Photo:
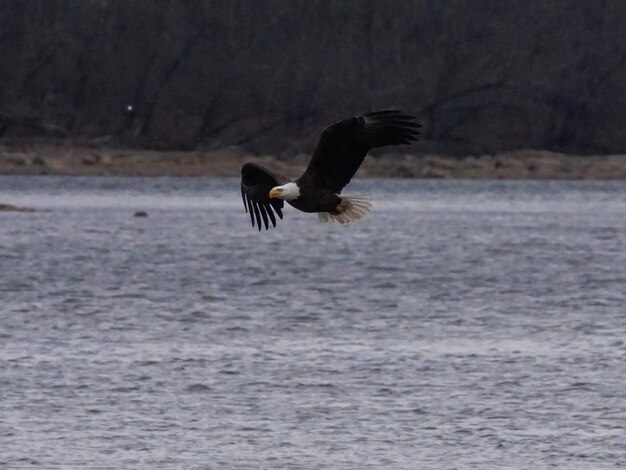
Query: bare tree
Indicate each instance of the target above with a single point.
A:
(485, 75)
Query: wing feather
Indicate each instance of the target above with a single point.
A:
(343, 146)
(256, 182)
(245, 202)
(270, 213)
(251, 212)
(255, 206)
(263, 216)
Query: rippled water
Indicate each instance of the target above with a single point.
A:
(476, 325)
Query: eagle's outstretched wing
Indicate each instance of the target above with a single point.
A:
(256, 182)
(343, 146)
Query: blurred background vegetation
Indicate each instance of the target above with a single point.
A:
(266, 75)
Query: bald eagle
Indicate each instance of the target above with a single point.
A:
(340, 151)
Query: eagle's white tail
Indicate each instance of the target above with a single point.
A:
(350, 208)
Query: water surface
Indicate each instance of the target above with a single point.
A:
(463, 324)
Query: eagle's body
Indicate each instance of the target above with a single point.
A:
(340, 151)
(316, 200)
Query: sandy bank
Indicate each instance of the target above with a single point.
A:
(84, 160)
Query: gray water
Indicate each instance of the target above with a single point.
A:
(469, 325)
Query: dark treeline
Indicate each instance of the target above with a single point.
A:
(483, 75)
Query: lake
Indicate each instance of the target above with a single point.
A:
(460, 325)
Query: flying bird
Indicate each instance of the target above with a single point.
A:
(339, 154)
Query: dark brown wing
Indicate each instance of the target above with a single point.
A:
(343, 146)
(256, 182)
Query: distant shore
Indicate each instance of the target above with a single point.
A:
(64, 159)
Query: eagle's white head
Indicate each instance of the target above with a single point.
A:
(287, 192)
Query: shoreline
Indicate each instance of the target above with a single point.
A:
(83, 160)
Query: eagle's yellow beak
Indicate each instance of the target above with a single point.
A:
(275, 192)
